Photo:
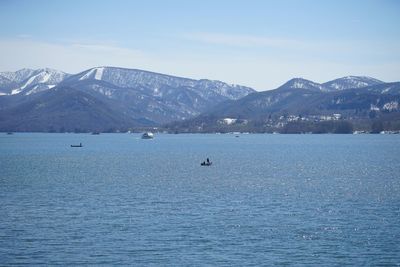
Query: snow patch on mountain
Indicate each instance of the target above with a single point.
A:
(19, 90)
(228, 121)
(374, 107)
(39, 88)
(99, 73)
(391, 106)
(87, 75)
(95, 73)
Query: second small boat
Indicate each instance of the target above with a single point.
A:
(80, 145)
(148, 135)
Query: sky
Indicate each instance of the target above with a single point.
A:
(260, 44)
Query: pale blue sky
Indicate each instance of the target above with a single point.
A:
(256, 43)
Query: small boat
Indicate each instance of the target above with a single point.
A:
(10, 133)
(148, 135)
(80, 145)
(206, 163)
(95, 133)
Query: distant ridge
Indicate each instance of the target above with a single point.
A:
(300, 105)
(344, 83)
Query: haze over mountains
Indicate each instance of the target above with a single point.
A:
(112, 99)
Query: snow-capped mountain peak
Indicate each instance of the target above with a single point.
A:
(18, 76)
(300, 83)
(31, 81)
(344, 83)
(350, 82)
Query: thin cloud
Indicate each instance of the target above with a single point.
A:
(70, 57)
(105, 48)
(24, 36)
(243, 40)
(332, 50)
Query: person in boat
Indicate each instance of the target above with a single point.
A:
(206, 163)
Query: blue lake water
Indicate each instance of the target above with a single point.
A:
(266, 200)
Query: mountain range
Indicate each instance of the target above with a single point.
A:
(117, 99)
(359, 100)
(139, 98)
